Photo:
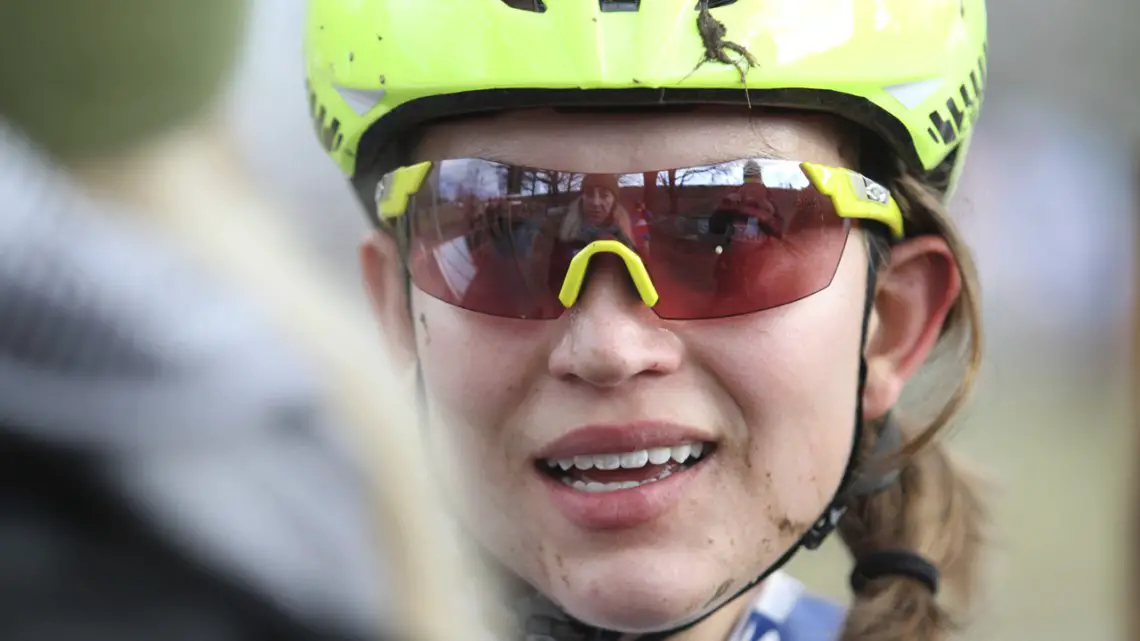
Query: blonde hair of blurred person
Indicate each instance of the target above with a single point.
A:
(122, 93)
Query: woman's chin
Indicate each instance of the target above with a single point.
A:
(632, 602)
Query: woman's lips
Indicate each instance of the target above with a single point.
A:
(616, 439)
(602, 506)
(607, 477)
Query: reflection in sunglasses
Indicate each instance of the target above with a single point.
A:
(715, 240)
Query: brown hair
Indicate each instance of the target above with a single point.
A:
(935, 508)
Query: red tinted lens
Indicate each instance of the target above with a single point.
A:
(728, 250)
(484, 237)
(498, 239)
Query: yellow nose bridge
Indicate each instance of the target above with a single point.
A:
(576, 274)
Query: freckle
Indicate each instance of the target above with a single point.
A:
(711, 541)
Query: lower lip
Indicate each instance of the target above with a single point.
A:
(620, 509)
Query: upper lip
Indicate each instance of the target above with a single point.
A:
(619, 438)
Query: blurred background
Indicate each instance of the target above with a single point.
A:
(1049, 201)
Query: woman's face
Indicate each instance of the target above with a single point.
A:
(598, 202)
(771, 395)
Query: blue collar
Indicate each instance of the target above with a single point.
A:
(785, 611)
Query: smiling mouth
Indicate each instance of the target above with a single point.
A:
(625, 470)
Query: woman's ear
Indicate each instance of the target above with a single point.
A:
(915, 291)
(383, 275)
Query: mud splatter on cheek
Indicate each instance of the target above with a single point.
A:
(562, 573)
(786, 527)
(746, 448)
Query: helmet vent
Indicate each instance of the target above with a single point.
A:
(619, 5)
(713, 4)
(537, 6)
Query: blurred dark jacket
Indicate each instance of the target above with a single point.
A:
(167, 470)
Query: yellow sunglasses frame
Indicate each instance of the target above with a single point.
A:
(854, 197)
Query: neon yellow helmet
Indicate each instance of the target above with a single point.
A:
(910, 71)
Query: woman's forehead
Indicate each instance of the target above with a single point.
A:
(623, 142)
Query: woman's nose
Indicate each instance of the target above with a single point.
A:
(612, 337)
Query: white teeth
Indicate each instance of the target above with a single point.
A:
(634, 460)
(681, 453)
(630, 460)
(607, 461)
(595, 487)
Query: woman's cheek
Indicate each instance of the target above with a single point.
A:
(472, 363)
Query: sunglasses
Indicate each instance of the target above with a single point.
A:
(698, 243)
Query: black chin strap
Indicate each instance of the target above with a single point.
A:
(546, 623)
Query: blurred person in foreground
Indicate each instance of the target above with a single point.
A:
(643, 455)
(176, 381)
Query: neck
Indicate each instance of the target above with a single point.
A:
(720, 624)
(716, 627)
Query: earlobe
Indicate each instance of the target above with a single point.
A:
(384, 278)
(915, 292)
